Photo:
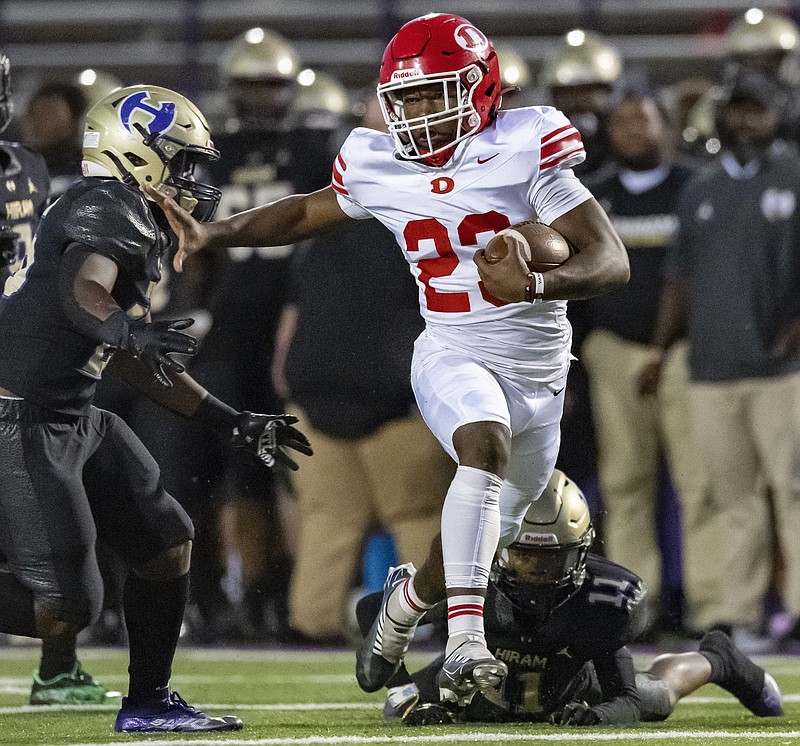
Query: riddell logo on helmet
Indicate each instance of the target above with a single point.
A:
(468, 37)
(402, 74)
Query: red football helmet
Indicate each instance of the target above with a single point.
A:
(444, 49)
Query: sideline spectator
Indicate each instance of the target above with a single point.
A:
(733, 275)
(634, 434)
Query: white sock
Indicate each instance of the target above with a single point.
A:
(404, 605)
(464, 620)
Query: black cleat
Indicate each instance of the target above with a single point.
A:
(749, 683)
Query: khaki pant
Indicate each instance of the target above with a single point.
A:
(633, 433)
(749, 434)
(396, 478)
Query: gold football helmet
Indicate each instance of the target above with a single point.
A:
(584, 59)
(321, 101)
(757, 32)
(514, 70)
(259, 71)
(546, 564)
(261, 54)
(96, 84)
(150, 135)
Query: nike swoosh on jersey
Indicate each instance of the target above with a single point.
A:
(486, 160)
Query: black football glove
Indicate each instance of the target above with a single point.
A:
(153, 342)
(8, 244)
(267, 436)
(576, 713)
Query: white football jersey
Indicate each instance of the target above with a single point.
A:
(516, 169)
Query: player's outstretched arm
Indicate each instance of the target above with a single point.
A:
(282, 222)
(265, 436)
(617, 680)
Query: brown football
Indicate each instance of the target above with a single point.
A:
(542, 247)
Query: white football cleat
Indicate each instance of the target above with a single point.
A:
(468, 669)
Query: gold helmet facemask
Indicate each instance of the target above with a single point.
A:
(151, 135)
(546, 564)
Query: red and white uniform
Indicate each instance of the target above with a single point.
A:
(516, 169)
(479, 358)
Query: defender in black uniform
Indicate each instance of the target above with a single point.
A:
(560, 619)
(24, 194)
(72, 473)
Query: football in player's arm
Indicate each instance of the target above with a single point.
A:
(454, 170)
(73, 473)
(560, 618)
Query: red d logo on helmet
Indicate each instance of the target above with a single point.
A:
(442, 185)
(468, 37)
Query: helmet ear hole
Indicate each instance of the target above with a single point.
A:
(136, 161)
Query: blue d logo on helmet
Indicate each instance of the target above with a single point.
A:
(161, 119)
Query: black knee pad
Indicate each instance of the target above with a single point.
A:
(62, 617)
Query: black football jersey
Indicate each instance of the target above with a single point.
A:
(545, 661)
(43, 357)
(24, 189)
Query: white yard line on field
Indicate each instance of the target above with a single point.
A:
(475, 738)
(300, 706)
(180, 679)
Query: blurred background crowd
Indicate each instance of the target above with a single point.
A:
(698, 495)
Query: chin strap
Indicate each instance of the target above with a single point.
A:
(127, 176)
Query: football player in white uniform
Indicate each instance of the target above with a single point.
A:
(490, 369)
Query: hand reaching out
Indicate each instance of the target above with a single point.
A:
(267, 437)
(192, 234)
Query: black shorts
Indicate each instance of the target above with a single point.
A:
(68, 481)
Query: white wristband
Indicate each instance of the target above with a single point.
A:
(534, 292)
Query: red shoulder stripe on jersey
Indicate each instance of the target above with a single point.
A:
(339, 190)
(341, 162)
(338, 181)
(561, 158)
(569, 141)
(550, 135)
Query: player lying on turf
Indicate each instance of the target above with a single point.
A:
(560, 618)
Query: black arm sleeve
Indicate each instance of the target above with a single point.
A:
(617, 679)
(112, 331)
